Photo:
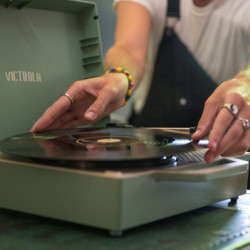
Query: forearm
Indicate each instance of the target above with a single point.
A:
(131, 40)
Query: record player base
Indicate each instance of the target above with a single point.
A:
(109, 200)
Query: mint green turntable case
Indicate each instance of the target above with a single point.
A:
(45, 45)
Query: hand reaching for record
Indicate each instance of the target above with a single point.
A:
(85, 102)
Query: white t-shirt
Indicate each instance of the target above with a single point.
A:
(217, 35)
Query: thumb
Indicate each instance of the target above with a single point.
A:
(100, 107)
(205, 124)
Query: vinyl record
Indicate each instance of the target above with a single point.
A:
(113, 147)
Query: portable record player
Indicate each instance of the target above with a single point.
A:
(110, 178)
(113, 178)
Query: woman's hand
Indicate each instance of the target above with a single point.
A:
(93, 99)
(229, 135)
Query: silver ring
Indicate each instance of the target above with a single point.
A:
(232, 108)
(70, 98)
(245, 123)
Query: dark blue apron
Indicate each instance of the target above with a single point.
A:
(179, 86)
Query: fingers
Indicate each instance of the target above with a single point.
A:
(207, 119)
(108, 100)
(222, 124)
(51, 114)
(99, 96)
(231, 142)
(68, 120)
(75, 100)
(227, 131)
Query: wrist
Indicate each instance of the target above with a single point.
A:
(129, 78)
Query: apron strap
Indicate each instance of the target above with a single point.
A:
(179, 86)
(173, 9)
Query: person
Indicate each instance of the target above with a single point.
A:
(215, 32)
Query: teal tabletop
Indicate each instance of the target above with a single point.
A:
(224, 225)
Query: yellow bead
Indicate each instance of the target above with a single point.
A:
(129, 92)
(119, 70)
(130, 78)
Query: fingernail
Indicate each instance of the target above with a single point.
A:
(90, 115)
(208, 158)
(196, 133)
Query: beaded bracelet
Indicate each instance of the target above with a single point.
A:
(130, 84)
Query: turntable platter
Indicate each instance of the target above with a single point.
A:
(99, 146)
